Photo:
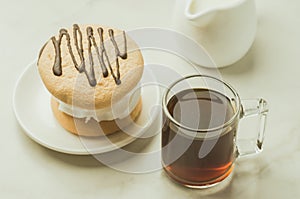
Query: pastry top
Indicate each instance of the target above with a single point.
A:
(90, 66)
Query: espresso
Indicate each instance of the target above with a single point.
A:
(198, 157)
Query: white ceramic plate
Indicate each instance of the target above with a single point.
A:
(33, 112)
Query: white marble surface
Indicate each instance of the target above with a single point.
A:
(270, 70)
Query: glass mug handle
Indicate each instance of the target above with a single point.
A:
(253, 107)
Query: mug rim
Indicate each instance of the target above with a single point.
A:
(226, 124)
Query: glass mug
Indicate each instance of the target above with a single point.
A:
(199, 131)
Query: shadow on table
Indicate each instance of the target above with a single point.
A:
(244, 65)
(94, 160)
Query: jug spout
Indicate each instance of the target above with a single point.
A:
(199, 15)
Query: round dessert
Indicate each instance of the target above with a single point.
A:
(93, 74)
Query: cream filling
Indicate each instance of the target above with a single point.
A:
(118, 110)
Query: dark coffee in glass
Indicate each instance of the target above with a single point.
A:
(200, 119)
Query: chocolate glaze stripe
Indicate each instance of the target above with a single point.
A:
(103, 51)
(91, 74)
(57, 68)
(76, 30)
(103, 67)
(118, 54)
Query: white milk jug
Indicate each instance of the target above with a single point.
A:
(225, 28)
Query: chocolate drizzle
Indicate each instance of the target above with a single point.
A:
(101, 53)
(79, 47)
